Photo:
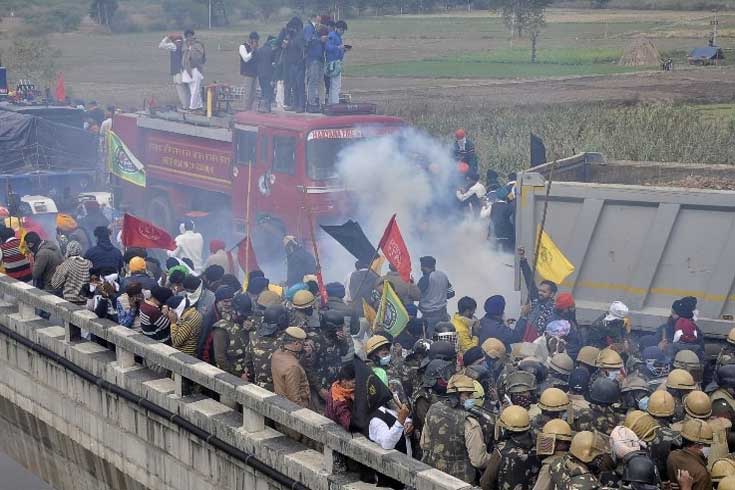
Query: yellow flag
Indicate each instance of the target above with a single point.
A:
(377, 265)
(552, 265)
(369, 312)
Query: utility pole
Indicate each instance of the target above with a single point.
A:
(210, 15)
(714, 24)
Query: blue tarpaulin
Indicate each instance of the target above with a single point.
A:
(706, 53)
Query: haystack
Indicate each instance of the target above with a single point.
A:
(640, 52)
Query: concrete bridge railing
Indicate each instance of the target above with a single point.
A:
(240, 416)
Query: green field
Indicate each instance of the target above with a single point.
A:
(506, 63)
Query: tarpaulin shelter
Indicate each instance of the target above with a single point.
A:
(29, 143)
(707, 55)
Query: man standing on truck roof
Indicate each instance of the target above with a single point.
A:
(314, 62)
(291, 41)
(249, 68)
(174, 43)
(193, 62)
(335, 55)
(264, 62)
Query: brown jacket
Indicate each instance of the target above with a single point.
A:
(407, 291)
(682, 459)
(289, 378)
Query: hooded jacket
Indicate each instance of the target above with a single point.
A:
(105, 256)
(46, 259)
(72, 274)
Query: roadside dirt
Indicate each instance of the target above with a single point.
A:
(703, 85)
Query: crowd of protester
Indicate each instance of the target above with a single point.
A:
(538, 402)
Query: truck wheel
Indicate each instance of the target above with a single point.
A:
(159, 212)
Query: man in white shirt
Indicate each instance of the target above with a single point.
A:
(192, 62)
(248, 68)
(472, 197)
(390, 428)
(189, 244)
(173, 43)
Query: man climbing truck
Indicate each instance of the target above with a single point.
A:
(273, 167)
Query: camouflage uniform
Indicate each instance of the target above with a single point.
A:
(239, 340)
(323, 365)
(513, 465)
(569, 474)
(260, 350)
(298, 318)
(597, 417)
(543, 482)
(443, 442)
(664, 441)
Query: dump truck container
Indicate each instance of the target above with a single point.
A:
(645, 233)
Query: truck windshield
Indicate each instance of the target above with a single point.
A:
(321, 157)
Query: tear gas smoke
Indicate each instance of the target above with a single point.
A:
(414, 175)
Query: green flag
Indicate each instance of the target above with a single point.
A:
(121, 161)
(392, 315)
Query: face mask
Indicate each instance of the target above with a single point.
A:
(523, 400)
(705, 452)
(612, 375)
(470, 404)
(643, 404)
(385, 360)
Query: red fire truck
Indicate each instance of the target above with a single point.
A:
(197, 166)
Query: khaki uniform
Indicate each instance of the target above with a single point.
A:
(682, 459)
(568, 473)
(452, 442)
(719, 448)
(289, 378)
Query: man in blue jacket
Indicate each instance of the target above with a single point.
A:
(314, 62)
(335, 55)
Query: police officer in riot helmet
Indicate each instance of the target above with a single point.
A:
(452, 440)
(513, 464)
(639, 472)
(601, 415)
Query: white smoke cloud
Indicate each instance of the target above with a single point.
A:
(390, 175)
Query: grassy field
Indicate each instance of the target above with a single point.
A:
(506, 63)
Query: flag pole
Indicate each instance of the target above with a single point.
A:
(247, 219)
(543, 218)
(375, 257)
(310, 217)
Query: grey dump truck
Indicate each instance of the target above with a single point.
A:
(645, 233)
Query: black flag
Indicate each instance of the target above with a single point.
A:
(351, 237)
(370, 394)
(538, 151)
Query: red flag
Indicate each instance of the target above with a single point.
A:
(246, 246)
(60, 88)
(139, 233)
(395, 249)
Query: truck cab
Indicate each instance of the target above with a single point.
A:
(274, 170)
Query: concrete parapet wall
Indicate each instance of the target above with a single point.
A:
(78, 435)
